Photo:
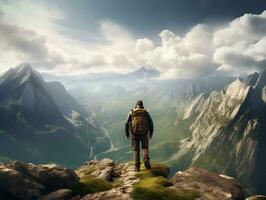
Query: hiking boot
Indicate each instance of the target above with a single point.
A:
(137, 166)
(147, 163)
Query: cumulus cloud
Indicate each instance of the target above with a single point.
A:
(29, 33)
(180, 57)
(241, 45)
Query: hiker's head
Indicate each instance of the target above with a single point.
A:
(139, 104)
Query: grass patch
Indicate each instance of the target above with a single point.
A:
(89, 184)
(154, 185)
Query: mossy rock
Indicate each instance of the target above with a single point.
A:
(89, 184)
(154, 185)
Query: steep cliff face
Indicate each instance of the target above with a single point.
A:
(228, 132)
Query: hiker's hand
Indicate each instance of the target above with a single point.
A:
(128, 136)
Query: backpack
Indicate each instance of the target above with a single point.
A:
(139, 122)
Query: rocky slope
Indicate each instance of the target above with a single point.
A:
(227, 132)
(35, 115)
(105, 179)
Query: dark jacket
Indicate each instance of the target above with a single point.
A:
(150, 124)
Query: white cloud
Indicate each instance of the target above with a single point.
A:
(242, 31)
(180, 57)
(144, 45)
(242, 45)
(29, 32)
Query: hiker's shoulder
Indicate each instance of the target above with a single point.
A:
(131, 112)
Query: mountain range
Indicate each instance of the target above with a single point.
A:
(42, 122)
(228, 132)
(216, 123)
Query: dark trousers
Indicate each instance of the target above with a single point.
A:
(138, 140)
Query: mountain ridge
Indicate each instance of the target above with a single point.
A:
(227, 132)
(36, 114)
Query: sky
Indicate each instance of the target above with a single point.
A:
(179, 38)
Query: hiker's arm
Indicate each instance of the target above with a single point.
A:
(151, 128)
(127, 125)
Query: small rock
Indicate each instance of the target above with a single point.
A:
(107, 173)
(107, 162)
(96, 172)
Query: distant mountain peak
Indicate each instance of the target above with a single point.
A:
(24, 68)
(23, 72)
(144, 73)
(143, 68)
(24, 65)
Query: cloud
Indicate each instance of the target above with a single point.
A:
(241, 45)
(144, 45)
(180, 57)
(242, 31)
(30, 32)
(26, 42)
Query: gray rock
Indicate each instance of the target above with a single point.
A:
(107, 173)
(29, 181)
(209, 185)
(61, 194)
(51, 175)
(257, 197)
(107, 162)
(16, 185)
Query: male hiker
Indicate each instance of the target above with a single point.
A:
(140, 124)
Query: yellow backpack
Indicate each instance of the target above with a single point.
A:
(139, 122)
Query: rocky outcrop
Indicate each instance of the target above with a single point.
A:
(29, 181)
(123, 174)
(206, 185)
(105, 179)
(209, 185)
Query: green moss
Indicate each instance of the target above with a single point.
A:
(156, 170)
(157, 192)
(90, 184)
(154, 185)
(154, 181)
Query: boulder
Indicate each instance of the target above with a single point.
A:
(105, 168)
(15, 185)
(107, 173)
(29, 181)
(50, 175)
(209, 185)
